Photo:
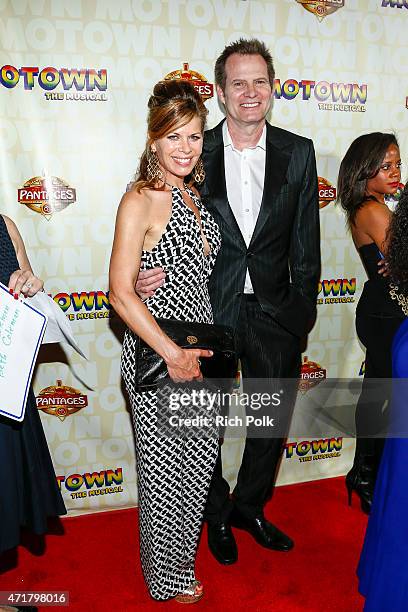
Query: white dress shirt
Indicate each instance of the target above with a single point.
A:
(244, 177)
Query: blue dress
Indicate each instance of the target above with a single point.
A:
(383, 566)
(28, 492)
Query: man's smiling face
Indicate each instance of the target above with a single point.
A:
(248, 93)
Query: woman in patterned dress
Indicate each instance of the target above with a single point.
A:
(162, 223)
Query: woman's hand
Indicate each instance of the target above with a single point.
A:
(24, 282)
(185, 365)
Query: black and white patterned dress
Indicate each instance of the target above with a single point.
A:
(174, 472)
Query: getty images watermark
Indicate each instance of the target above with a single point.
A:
(203, 411)
(267, 407)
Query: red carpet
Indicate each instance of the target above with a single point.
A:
(97, 560)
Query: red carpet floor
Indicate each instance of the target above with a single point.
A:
(97, 560)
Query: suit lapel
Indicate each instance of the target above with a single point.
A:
(216, 185)
(276, 165)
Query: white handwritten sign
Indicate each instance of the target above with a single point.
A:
(21, 330)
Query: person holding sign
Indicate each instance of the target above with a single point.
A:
(29, 492)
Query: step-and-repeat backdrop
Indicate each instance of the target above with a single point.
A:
(75, 77)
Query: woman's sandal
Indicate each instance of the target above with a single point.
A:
(191, 594)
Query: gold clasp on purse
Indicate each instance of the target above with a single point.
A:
(192, 339)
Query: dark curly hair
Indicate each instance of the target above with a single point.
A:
(397, 238)
(173, 104)
(361, 162)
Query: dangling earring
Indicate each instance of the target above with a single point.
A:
(153, 171)
(198, 172)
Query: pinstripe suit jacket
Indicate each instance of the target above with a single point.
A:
(283, 256)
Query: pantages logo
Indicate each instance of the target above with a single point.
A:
(311, 374)
(201, 84)
(321, 8)
(46, 194)
(86, 84)
(61, 401)
(395, 3)
(327, 193)
(349, 97)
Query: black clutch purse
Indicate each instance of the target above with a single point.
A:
(220, 369)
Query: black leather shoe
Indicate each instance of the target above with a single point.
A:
(263, 532)
(221, 543)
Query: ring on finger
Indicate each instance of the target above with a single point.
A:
(199, 362)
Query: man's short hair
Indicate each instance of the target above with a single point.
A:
(243, 46)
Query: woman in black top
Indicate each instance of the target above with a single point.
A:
(370, 170)
(29, 492)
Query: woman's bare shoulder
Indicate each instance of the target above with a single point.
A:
(11, 226)
(143, 199)
(133, 199)
(372, 211)
(12, 229)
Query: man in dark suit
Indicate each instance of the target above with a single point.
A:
(261, 188)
